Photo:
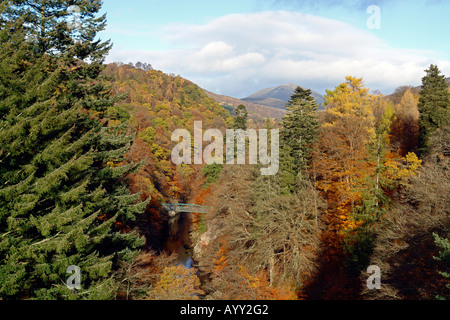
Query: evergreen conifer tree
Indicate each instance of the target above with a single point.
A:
(300, 127)
(62, 187)
(240, 121)
(287, 176)
(444, 257)
(434, 106)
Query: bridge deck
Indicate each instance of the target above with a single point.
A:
(181, 207)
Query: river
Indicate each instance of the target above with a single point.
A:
(179, 239)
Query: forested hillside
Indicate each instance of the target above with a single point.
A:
(156, 104)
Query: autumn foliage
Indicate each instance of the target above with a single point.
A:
(261, 241)
(356, 168)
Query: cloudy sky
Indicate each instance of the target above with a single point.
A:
(237, 47)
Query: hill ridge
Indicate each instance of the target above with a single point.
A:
(278, 97)
(256, 111)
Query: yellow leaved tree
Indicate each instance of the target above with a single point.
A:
(176, 283)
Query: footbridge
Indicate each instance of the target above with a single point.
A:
(183, 207)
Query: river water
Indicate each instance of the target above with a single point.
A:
(179, 240)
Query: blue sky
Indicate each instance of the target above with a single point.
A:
(236, 47)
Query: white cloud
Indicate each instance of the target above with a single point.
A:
(219, 57)
(238, 54)
(215, 49)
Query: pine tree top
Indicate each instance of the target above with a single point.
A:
(300, 96)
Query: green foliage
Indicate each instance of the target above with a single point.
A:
(148, 135)
(59, 201)
(202, 225)
(300, 127)
(228, 107)
(284, 223)
(193, 92)
(240, 121)
(160, 153)
(187, 115)
(212, 173)
(434, 106)
(444, 258)
(359, 243)
(117, 112)
(288, 172)
(158, 122)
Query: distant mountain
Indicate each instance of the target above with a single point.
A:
(256, 111)
(277, 97)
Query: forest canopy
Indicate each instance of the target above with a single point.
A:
(86, 177)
